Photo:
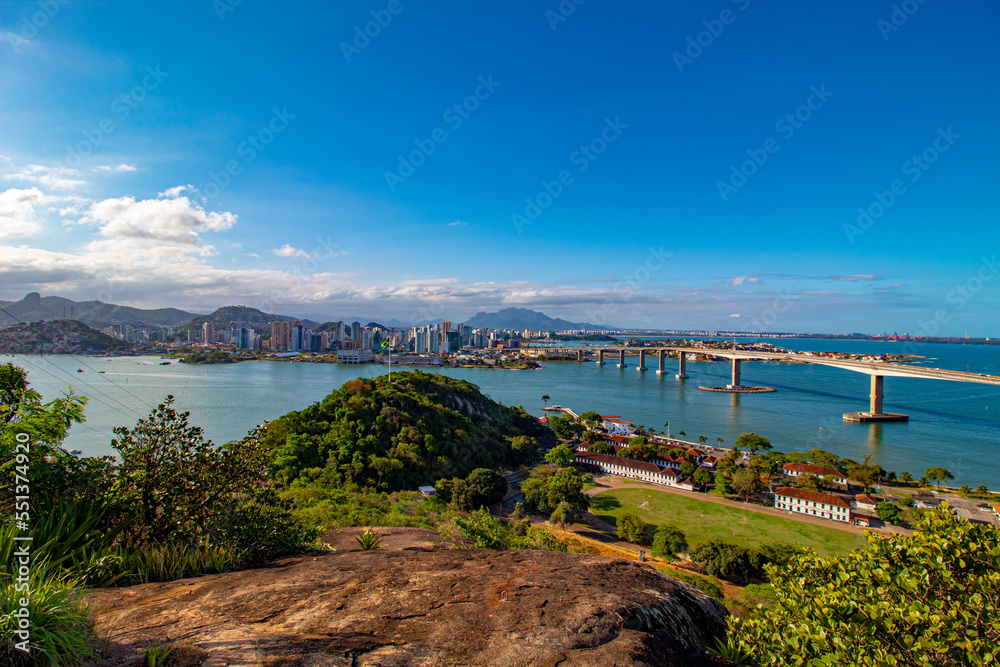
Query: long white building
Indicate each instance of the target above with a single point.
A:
(813, 503)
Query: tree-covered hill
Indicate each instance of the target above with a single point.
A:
(241, 315)
(56, 337)
(418, 429)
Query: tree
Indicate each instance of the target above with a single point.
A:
(939, 474)
(565, 513)
(565, 427)
(669, 541)
(545, 399)
(638, 449)
(180, 489)
(887, 512)
(755, 443)
(548, 486)
(811, 482)
(601, 447)
(703, 477)
(633, 529)
(821, 457)
(45, 426)
(681, 433)
(483, 487)
(561, 455)
(687, 468)
(729, 561)
(982, 491)
(723, 487)
(702, 439)
(591, 419)
(965, 490)
(906, 478)
(929, 599)
(720, 441)
(746, 484)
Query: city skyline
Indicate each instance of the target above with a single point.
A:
(727, 167)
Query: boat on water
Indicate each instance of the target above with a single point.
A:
(79, 370)
(102, 371)
(75, 451)
(164, 363)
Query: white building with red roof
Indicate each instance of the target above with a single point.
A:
(812, 503)
(802, 469)
(640, 470)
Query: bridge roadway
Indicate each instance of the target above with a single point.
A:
(876, 369)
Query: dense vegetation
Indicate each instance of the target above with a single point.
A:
(419, 428)
(929, 599)
(171, 504)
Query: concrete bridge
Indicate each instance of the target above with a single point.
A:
(876, 369)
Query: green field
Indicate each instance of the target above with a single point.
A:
(702, 520)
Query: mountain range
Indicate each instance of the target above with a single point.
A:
(97, 314)
(522, 318)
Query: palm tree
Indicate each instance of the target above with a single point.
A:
(702, 439)
(545, 400)
(719, 440)
(666, 425)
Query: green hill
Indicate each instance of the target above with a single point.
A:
(414, 431)
(34, 307)
(241, 315)
(56, 337)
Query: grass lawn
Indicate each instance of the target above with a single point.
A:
(702, 521)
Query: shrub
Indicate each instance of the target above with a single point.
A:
(669, 541)
(929, 599)
(60, 631)
(633, 529)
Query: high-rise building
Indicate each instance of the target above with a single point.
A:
(208, 333)
(356, 332)
(244, 338)
(296, 337)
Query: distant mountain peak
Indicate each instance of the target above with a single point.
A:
(523, 318)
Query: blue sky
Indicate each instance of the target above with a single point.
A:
(118, 122)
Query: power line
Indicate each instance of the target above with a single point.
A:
(82, 363)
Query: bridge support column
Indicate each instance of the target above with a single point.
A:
(579, 355)
(642, 361)
(875, 413)
(600, 357)
(663, 363)
(621, 359)
(682, 367)
(736, 373)
(875, 406)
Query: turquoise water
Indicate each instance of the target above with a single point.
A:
(952, 424)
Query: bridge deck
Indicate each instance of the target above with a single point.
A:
(868, 367)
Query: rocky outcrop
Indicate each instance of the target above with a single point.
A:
(418, 605)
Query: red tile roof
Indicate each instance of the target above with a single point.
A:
(814, 496)
(811, 469)
(865, 498)
(628, 463)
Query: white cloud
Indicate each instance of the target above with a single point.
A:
(57, 178)
(855, 278)
(734, 315)
(457, 223)
(18, 218)
(173, 193)
(117, 168)
(737, 281)
(176, 220)
(251, 254)
(288, 251)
